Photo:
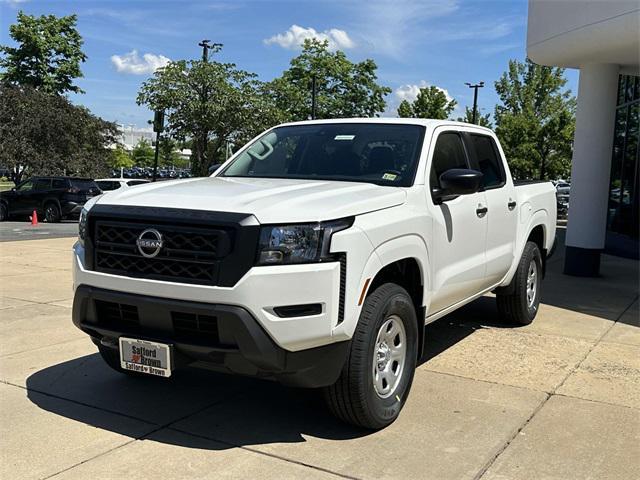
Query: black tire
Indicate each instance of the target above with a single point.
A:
(4, 213)
(112, 358)
(52, 213)
(517, 307)
(353, 398)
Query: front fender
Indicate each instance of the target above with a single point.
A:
(400, 248)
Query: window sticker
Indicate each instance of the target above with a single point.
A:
(344, 137)
(389, 176)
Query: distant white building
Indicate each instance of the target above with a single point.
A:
(131, 135)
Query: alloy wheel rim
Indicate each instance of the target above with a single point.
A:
(532, 283)
(50, 214)
(389, 356)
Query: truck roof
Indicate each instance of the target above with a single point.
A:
(427, 122)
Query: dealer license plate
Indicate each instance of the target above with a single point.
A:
(145, 357)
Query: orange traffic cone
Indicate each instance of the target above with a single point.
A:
(34, 219)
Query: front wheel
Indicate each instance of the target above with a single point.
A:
(521, 306)
(377, 375)
(4, 213)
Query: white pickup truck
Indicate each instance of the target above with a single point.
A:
(314, 256)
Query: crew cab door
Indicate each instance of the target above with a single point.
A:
(41, 189)
(22, 198)
(459, 228)
(501, 204)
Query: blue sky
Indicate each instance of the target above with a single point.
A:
(414, 42)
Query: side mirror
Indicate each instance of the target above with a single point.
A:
(457, 181)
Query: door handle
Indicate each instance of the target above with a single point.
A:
(511, 204)
(481, 211)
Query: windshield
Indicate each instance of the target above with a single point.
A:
(384, 154)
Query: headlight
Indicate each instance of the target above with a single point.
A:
(302, 243)
(82, 226)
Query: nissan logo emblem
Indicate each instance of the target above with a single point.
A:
(149, 243)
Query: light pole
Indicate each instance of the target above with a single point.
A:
(475, 99)
(206, 46)
(201, 143)
(313, 97)
(158, 126)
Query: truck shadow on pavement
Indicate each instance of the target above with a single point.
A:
(231, 411)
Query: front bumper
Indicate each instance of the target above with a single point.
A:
(219, 337)
(259, 292)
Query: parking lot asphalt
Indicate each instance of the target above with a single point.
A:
(12, 231)
(557, 399)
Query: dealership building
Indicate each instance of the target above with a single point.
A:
(602, 40)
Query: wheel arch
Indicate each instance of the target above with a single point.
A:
(536, 232)
(48, 200)
(407, 273)
(405, 262)
(390, 261)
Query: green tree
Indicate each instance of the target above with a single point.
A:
(47, 56)
(535, 120)
(120, 158)
(482, 120)
(343, 88)
(143, 154)
(168, 155)
(48, 135)
(431, 102)
(210, 102)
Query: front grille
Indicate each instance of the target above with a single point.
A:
(188, 254)
(195, 328)
(117, 315)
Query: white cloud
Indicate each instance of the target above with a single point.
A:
(132, 62)
(13, 3)
(294, 37)
(410, 92)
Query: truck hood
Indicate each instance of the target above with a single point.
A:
(269, 200)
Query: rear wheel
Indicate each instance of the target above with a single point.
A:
(3, 212)
(521, 306)
(52, 213)
(377, 376)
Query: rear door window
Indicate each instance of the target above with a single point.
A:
(60, 183)
(42, 184)
(487, 159)
(448, 154)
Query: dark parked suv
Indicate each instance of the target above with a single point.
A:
(54, 198)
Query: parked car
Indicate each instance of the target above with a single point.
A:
(108, 184)
(563, 187)
(53, 198)
(315, 257)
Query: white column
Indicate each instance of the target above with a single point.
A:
(591, 168)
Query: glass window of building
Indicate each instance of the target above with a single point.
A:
(624, 214)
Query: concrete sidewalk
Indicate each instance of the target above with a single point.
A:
(557, 399)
